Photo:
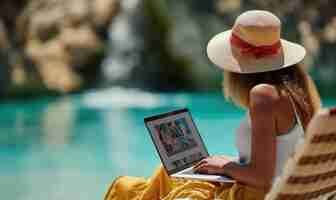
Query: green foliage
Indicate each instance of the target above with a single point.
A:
(174, 69)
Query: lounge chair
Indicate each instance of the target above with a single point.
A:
(311, 172)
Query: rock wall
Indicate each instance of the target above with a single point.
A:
(4, 60)
(57, 45)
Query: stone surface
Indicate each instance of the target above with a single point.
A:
(4, 60)
(81, 44)
(58, 44)
(104, 11)
(4, 42)
(55, 40)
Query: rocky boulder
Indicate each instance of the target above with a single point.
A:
(59, 41)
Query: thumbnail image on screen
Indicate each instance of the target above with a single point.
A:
(175, 136)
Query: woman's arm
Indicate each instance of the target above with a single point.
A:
(261, 169)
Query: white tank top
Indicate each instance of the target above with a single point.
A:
(285, 143)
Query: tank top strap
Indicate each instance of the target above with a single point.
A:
(297, 117)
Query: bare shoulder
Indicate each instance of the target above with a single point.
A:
(263, 95)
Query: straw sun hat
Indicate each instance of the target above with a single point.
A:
(254, 45)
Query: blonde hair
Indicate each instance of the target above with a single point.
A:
(292, 81)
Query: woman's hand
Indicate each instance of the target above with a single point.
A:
(212, 165)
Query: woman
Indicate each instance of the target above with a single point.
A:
(262, 75)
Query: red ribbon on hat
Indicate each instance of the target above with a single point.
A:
(332, 111)
(257, 51)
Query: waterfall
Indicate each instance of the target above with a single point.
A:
(160, 45)
(124, 45)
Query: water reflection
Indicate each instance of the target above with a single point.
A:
(72, 147)
(48, 149)
(124, 44)
(57, 123)
(118, 152)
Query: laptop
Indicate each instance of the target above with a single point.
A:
(179, 145)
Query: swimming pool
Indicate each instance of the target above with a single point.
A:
(72, 147)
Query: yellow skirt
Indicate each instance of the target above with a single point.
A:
(161, 186)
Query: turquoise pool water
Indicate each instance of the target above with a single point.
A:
(73, 147)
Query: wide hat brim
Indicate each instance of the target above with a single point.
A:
(219, 51)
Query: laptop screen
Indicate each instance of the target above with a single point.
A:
(176, 139)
